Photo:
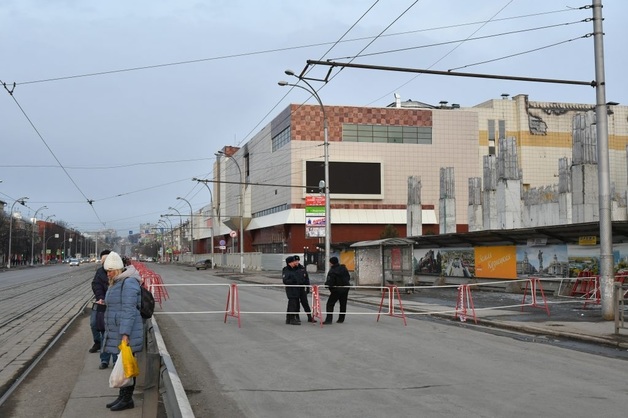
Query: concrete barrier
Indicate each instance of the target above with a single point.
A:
(161, 376)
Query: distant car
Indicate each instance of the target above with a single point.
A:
(203, 264)
(74, 262)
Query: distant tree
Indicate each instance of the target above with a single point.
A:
(389, 232)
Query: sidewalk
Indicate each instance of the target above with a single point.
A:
(91, 391)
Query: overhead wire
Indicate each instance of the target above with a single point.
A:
(89, 201)
(391, 51)
(493, 18)
(519, 53)
(380, 35)
(333, 45)
(274, 50)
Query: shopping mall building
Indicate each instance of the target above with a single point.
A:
(373, 154)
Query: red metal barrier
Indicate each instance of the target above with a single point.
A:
(151, 281)
(233, 304)
(535, 284)
(465, 301)
(392, 291)
(316, 305)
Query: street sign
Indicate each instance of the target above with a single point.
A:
(222, 242)
(233, 234)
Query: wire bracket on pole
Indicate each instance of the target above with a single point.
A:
(534, 283)
(465, 301)
(233, 303)
(316, 305)
(391, 291)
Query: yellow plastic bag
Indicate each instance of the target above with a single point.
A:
(129, 362)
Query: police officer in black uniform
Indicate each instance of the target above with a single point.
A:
(304, 279)
(290, 277)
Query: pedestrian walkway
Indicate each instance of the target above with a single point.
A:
(92, 392)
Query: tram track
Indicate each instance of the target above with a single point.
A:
(33, 316)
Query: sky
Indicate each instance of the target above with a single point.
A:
(121, 103)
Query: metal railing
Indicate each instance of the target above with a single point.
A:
(619, 298)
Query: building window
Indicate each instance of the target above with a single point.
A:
(281, 139)
(491, 137)
(247, 166)
(270, 211)
(387, 134)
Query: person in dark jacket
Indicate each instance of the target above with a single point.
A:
(290, 277)
(100, 283)
(123, 322)
(304, 279)
(338, 282)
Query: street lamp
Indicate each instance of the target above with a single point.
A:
(34, 223)
(211, 203)
(171, 234)
(163, 225)
(191, 226)
(180, 224)
(65, 254)
(313, 92)
(46, 246)
(241, 209)
(22, 201)
(45, 255)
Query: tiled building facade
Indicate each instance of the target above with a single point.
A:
(395, 142)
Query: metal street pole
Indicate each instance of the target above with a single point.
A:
(45, 255)
(46, 244)
(601, 117)
(241, 210)
(33, 224)
(180, 224)
(171, 234)
(314, 93)
(211, 203)
(163, 239)
(22, 201)
(191, 226)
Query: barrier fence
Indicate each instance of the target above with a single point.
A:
(390, 301)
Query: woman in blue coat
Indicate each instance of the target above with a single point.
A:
(123, 321)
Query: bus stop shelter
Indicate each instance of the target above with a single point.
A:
(384, 262)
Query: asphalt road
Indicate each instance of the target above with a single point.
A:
(364, 368)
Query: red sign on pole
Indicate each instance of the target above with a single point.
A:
(314, 200)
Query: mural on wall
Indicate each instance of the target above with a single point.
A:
(542, 261)
(498, 262)
(451, 262)
(459, 262)
(427, 261)
(511, 262)
(584, 260)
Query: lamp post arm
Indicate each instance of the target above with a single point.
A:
(314, 93)
(22, 201)
(191, 226)
(34, 223)
(211, 204)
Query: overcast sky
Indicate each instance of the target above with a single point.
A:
(124, 102)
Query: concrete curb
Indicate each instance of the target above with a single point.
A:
(174, 396)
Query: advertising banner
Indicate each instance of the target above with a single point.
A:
(496, 262)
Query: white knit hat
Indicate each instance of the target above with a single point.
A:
(113, 262)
